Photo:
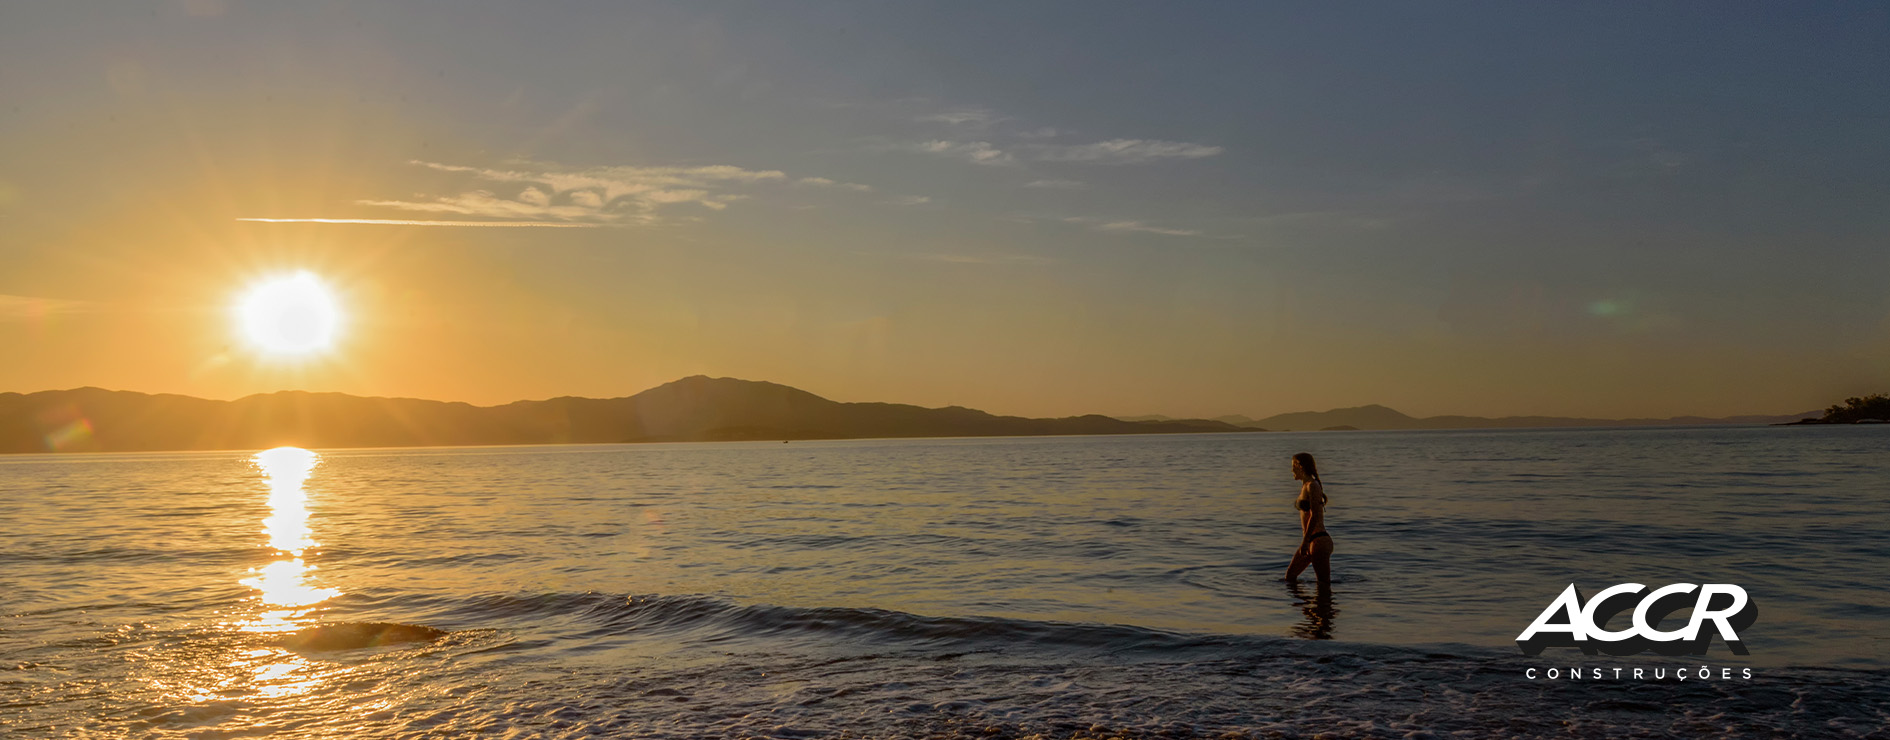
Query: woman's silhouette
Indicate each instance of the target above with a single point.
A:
(1315, 546)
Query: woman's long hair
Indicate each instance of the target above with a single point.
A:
(1312, 468)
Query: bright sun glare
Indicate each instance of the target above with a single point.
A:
(290, 315)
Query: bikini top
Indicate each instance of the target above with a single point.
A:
(1304, 504)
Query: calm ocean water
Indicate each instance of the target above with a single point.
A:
(959, 587)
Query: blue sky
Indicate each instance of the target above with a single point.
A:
(1045, 208)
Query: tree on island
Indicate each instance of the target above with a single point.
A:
(1875, 406)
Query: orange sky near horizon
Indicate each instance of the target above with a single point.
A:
(422, 323)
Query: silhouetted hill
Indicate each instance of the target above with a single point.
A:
(697, 408)
(1359, 417)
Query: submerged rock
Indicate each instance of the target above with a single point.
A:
(354, 635)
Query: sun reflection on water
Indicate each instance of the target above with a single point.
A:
(273, 672)
(284, 583)
(252, 662)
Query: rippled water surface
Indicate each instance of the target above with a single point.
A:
(912, 588)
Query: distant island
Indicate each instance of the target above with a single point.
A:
(692, 409)
(1871, 409)
(1375, 417)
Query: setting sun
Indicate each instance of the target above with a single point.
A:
(292, 315)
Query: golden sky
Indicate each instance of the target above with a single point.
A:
(513, 205)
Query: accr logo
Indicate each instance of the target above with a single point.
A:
(1583, 622)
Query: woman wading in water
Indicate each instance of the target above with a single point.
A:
(1315, 546)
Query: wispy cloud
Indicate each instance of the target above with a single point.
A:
(1145, 228)
(910, 200)
(1003, 139)
(823, 182)
(411, 222)
(1125, 226)
(979, 152)
(982, 259)
(974, 116)
(551, 195)
(1113, 151)
(555, 193)
(966, 259)
(1289, 216)
(1056, 184)
(1126, 151)
(26, 308)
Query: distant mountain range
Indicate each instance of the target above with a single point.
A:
(691, 409)
(697, 408)
(1380, 417)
